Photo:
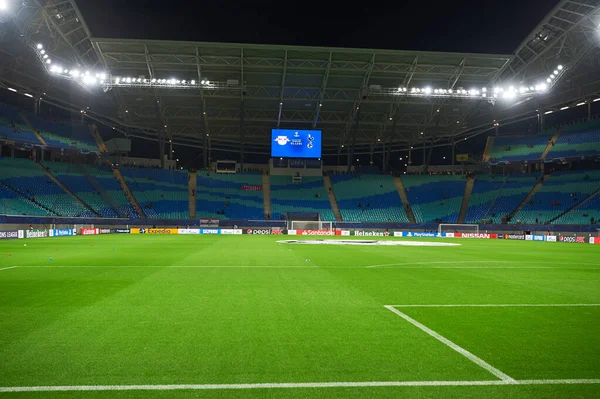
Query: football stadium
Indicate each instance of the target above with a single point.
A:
(224, 220)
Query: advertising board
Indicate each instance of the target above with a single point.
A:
(8, 234)
(231, 231)
(160, 231)
(188, 231)
(36, 233)
(122, 231)
(89, 232)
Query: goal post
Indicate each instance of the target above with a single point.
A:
(310, 225)
(458, 228)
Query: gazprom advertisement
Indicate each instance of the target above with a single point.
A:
(296, 143)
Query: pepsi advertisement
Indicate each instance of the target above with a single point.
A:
(288, 143)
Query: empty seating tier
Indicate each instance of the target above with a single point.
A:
(229, 196)
(368, 198)
(435, 198)
(30, 181)
(308, 196)
(162, 194)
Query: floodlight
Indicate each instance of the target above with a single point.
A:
(496, 90)
(45, 56)
(484, 95)
(523, 90)
(207, 82)
(153, 80)
(43, 52)
(48, 61)
(117, 80)
(193, 82)
(427, 90)
(75, 73)
(40, 46)
(103, 76)
(183, 81)
(543, 87)
(560, 67)
(66, 71)
(552, 76)
(87, 73)
(202, 82)
(555, 72)
(548, 80)
(484, 89)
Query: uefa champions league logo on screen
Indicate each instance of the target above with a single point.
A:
(310, 141)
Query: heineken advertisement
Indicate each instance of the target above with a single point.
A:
(36, 233)
(367, 233)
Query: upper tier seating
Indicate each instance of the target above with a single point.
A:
(72, 178)
(162, 194)
(216, 192)
(559, 193)
(14, 204)
(377, 195)
(577, 140)
(437, 197)
(520, 148)
(63, 135)
(13, 128)
(308, 196)
(583, 214)
(105, 177)
(26, 177)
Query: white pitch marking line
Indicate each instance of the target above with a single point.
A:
(480, 362)
(172, 267)
(11, 267)
(493, 262)
(292, 385)
(498, 305)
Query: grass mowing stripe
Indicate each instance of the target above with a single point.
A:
(498, 305)
(480, 362)
(292, 385)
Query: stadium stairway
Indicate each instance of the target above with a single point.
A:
(37, 134)
(65, 189)
(528, 197)
(332, 200)
(266, 189)
(103, 193)
(192, 186)
(404, 198)
(98, 138)
(466, 199)
(550, 144)
(488, 148)
(576, 206)
(129, 193)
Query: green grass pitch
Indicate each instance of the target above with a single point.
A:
(165, 310)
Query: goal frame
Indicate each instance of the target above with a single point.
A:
(321, 224)
(473, 228)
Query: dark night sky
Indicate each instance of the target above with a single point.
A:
(484, 26)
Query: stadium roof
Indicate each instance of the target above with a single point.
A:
(353, 95)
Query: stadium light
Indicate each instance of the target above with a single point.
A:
(580, 104)
(48, 61)
(193, 82)
(40, 46)
(560, 67)
(28, 95)
(563, 108)
(11, 89)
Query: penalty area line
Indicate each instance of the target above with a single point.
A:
(478, 361)
(292, 385)
(11, 267)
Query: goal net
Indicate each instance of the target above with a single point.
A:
(309, 225)
(458, 228)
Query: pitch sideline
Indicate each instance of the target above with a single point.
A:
(291, 385)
